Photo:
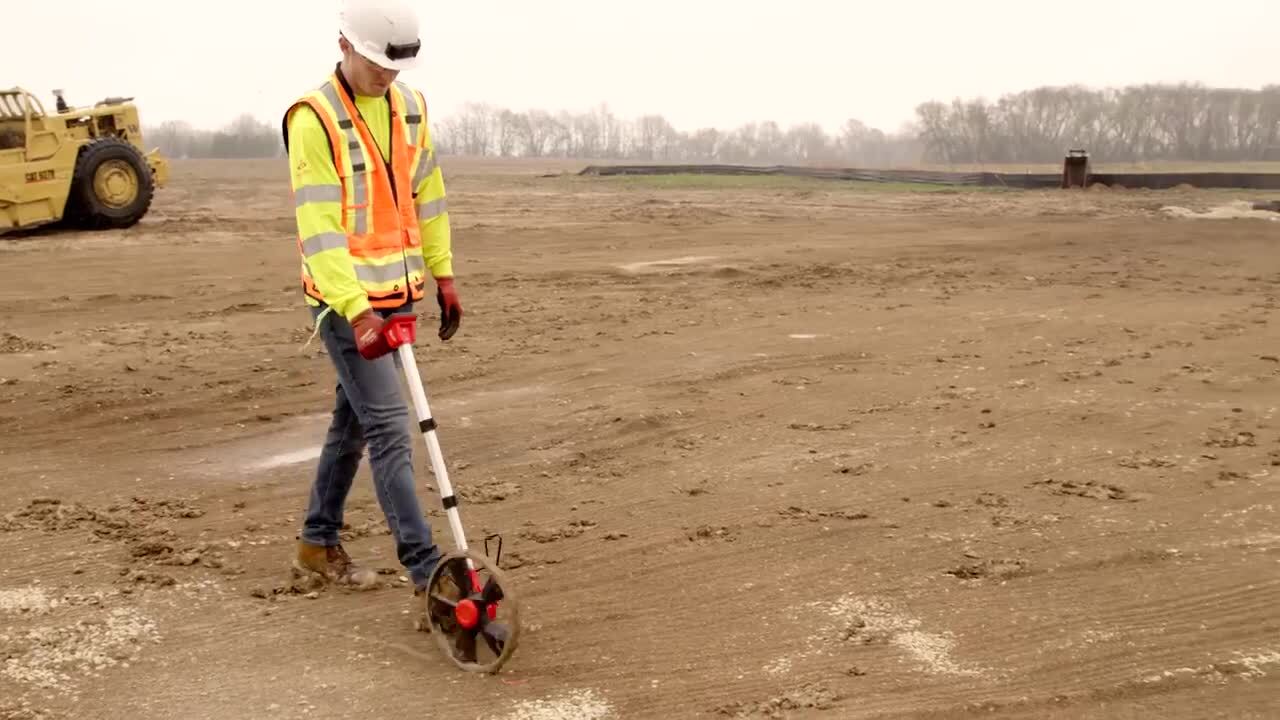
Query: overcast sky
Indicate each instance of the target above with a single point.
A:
(698, 62)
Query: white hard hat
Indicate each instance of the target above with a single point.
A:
(383, 31)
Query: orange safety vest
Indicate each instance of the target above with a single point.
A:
(378, 214)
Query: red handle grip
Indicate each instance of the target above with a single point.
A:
(399, 329)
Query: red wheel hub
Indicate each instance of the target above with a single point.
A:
(467, 614)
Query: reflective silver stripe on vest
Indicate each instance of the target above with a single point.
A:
(317, 193)
(432, 209)
(426, 165)
(380, 273)
(362, 213)
(323, 241)
(415, 114)
(416, 264)
(359, 167)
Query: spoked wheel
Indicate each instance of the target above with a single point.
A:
(473, 615)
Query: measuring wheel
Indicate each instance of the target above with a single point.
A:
(470, 607)
(472, 612)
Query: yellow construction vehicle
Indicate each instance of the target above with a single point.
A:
(85, 167)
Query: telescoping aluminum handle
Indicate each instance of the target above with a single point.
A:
(427, 424)
(398, 334)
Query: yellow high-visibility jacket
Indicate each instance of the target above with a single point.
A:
(363, 244)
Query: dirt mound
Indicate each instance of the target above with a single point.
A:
(116, 521)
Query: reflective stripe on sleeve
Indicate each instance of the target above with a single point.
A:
(324, 241)
(427, 164)
(317, 193)
(428, 210)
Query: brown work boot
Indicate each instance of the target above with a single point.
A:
(333, 564)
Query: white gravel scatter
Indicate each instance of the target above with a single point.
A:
(873, 620)
(53, 656)
(28, 600)
(1250, 666)
(575, 705)
(1235, 210)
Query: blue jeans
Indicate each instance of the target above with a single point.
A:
(369, 411)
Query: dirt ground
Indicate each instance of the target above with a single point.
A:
(757, 449)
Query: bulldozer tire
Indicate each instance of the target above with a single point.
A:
(112, 186)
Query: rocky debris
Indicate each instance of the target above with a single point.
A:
(489, 492)
(855, 470)
(123, 521)
(708, 533)
(1089, 489)
(572, 530)
(513, 560)
(813, 696)
(1136, 462)
(1226, 477)
(570, 705)
(990, 499)
(22, 711)
(49, 514)
(1002, 569)
(146, 577)
(799, 513)
(1229, 439)
(299, 584)
(176, 508)
(53, 657)
(1076, 375)
(815, 427)
(151, 548)
(26, 601)
(165, 550)
(694, 491)
(11, 344)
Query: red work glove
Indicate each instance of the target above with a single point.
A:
(368, 330)
(450, 307)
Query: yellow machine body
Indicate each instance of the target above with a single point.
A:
(86, 166)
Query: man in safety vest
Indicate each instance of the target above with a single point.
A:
(372, 223)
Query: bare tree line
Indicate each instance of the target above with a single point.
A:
(1136, 123)
(484, 130)
(246, 137)
(1131, 124)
